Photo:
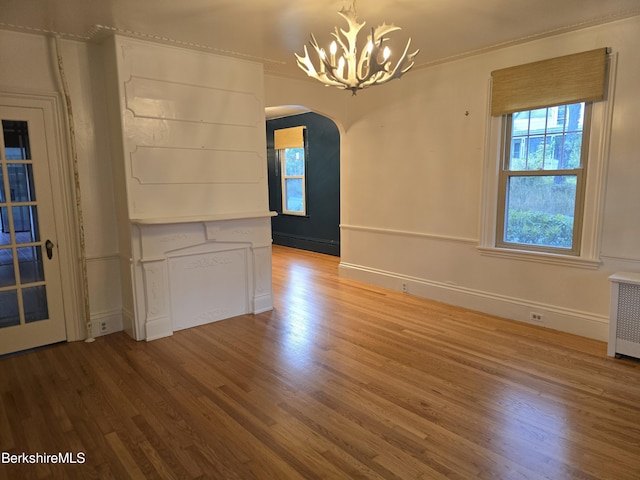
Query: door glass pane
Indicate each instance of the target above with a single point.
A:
(21, 182)
(9, 316)
(30, 264)
(25, 224)
(2, 195)
(16, 140)
(5, 236)
(35, 304)
(18, 201)
(7, 274)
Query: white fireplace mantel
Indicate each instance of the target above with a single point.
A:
(196, 270)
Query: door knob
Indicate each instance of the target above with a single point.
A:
(49, 246)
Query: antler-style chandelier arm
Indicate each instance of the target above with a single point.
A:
(404, 64)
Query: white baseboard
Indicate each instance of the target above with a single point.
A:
(158, 327)
(262, 303)
(551, 316)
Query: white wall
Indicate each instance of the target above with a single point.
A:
(85, 76)
(413, 156)
(29, 66)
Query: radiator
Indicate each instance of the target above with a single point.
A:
(624, 320)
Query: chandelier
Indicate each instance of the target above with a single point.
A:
(345, 68)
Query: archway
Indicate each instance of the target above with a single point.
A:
(319, 228)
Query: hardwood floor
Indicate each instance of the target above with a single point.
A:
(342, 380)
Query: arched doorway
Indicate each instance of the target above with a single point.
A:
(318, 229)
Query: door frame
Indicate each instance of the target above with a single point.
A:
(63, 193)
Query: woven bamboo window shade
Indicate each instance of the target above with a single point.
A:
(288, 138)
(570, 79)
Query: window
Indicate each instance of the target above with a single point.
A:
(292, 166)
(291, 155)
(542, 179)
(547, 119)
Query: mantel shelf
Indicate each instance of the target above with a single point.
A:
(201, 218)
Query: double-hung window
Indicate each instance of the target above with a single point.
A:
(291, 158)
(545, 113)
(542, 178)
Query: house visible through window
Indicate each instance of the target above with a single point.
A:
(542, 178)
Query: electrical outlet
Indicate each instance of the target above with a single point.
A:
(405, 288)
(535, 317)
(103, 327)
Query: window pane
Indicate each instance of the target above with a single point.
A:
(9, 315)
(30, 264)
(16, 140)
(294, 162)
(547, 138)
(2, 195)
(540, 210)
(571, 151)
(7, 275)
(21, 182)
(25, 224)
(5, 236)
(520, 123)
(35, 304)
(294, 201)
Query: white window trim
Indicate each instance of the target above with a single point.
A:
(599, 147)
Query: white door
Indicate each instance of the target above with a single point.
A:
(31, 309)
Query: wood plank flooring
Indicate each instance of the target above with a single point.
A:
(342, 380)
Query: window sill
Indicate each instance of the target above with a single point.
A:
(541, 257)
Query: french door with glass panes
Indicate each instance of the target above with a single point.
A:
(31, 311)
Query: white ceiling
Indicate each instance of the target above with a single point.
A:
(271, 31)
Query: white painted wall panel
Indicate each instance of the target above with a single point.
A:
(194, 136)
(152, 165)
(192, 103)
(189, 67)
(153, 132)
